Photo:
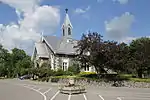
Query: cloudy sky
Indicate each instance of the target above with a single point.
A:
(23, 21)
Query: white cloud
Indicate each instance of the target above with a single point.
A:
(45, 18)
(128, 39)
(119, 27)
(13, 36)
(122, 1)
(81, 11)
(32, 19)
(26, 6)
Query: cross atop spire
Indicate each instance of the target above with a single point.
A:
(66, 10)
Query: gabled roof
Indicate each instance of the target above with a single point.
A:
(66, 47)
(52, 41)
(60, 45)
(41, 50)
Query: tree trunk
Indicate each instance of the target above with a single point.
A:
(96, 70)
(139, 72)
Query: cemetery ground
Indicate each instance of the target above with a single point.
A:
(15, 89)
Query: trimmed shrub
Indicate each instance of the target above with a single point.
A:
(55, 79)
(50, 72)
(126, 75)
(47, 79)
(74, 69)
(46, 65)
(88, 74)
(59, 72)
(68, 73)
(43, 79)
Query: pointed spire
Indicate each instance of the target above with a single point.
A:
(67, 26)
(67, 20)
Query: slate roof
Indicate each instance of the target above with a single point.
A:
(53, 41)
(41, 50)
(60, 45)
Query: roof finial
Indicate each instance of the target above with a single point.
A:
(41, 36)
(66, 10)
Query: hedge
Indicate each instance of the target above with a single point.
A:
(57, 78)
(140, 80)
(88, 75)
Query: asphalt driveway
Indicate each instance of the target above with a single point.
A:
(15, 89)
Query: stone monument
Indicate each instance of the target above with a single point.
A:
(71, 88)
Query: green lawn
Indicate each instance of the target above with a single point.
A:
(129, 77)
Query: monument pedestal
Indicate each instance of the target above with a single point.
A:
(71, 88)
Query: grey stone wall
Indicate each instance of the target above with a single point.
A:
(129, 84)
(60, 61)
(71, 61)
(60, 58)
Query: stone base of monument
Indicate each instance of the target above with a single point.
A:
(71, 88)
(76, 89)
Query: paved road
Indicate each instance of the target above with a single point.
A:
(28, 90)
(10, 91)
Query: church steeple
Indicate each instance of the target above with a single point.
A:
(41, 37)
(67, 26)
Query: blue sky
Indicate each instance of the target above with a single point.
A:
(122, 20)
(103, 11)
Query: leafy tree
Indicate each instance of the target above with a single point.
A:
(102, 55)
(116, 55)
(17, 55)
(90, 51)
(4, 61)
(3, 70)
(20, 62)
(140, 55)
(14, 63)
(22, 65)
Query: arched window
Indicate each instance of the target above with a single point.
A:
(63, 32)
(69, 31)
